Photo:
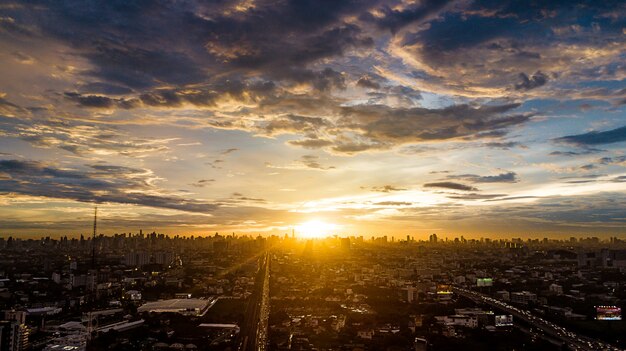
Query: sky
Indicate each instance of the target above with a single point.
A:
(476, 118)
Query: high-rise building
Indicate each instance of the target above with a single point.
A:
(523, 297)
(13, 336)
(163, 257)
(136, 259)
(433, 238)
(411, 294)
(345, 243)
(420, 344)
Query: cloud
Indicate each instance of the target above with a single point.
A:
(474, 196)
(587, 167)
(616, 160)
(98, 184)
(484, 39)
(507, 177)
(312, 161)
(368, 83)
(503, 145)
(95, 88)
(435, 79)
(395, 19)
(9, 109)
(23, 58)
(82, 139)
(450, 185)
(229, 151)
(202, 183)
(304, 162)
(586, 151)
(382, 126)
(293, 124)
(96, 101)
(386, 188)
(393, 203)
(206, 96)
(535, 81)
(310, 143)
(238, 199)
(595, 138)
(126, 44)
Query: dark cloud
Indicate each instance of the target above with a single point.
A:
(595, 138)
(535, 81)
(239, 198)
(474, 196)
(504, 145)
(200, 96)
(353, 147)
(146, 45)
(586, 151)
(403, 95)
(7, 108)
(141, 68)
(323, 80)
(311, 143)
(294, 124)
(586, 176)
(96, 101)
(368, 83)
(392, 203)
(304, 162)
(509, 198)
(312, 161)
(612, 160)
(100, 184)
(202, 183)
(23, 58)
(383, 124)
(385, 188)
(394, 19)
(104, 88)
(507, 177)
(10, 25)
(215, 163)
(587, 167)
(450, 185)
(484, 39)
(229, 151)
(620, 179)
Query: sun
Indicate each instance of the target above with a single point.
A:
(315, 229)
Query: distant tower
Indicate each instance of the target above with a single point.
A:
(93, 240)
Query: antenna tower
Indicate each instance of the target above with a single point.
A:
(93, 240)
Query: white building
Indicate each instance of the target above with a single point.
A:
(523, 297)
(556, 289)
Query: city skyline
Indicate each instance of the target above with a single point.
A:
(474, 118)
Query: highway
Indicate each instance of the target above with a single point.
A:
(571, 339)
(253, 334)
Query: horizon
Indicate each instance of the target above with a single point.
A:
(397, 238)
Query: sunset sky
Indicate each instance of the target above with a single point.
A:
(476, 118)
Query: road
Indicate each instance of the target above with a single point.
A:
(253, 334)
(571, 339)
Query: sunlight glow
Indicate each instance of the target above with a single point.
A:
(315, 229)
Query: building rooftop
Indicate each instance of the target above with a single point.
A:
(183, 306)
